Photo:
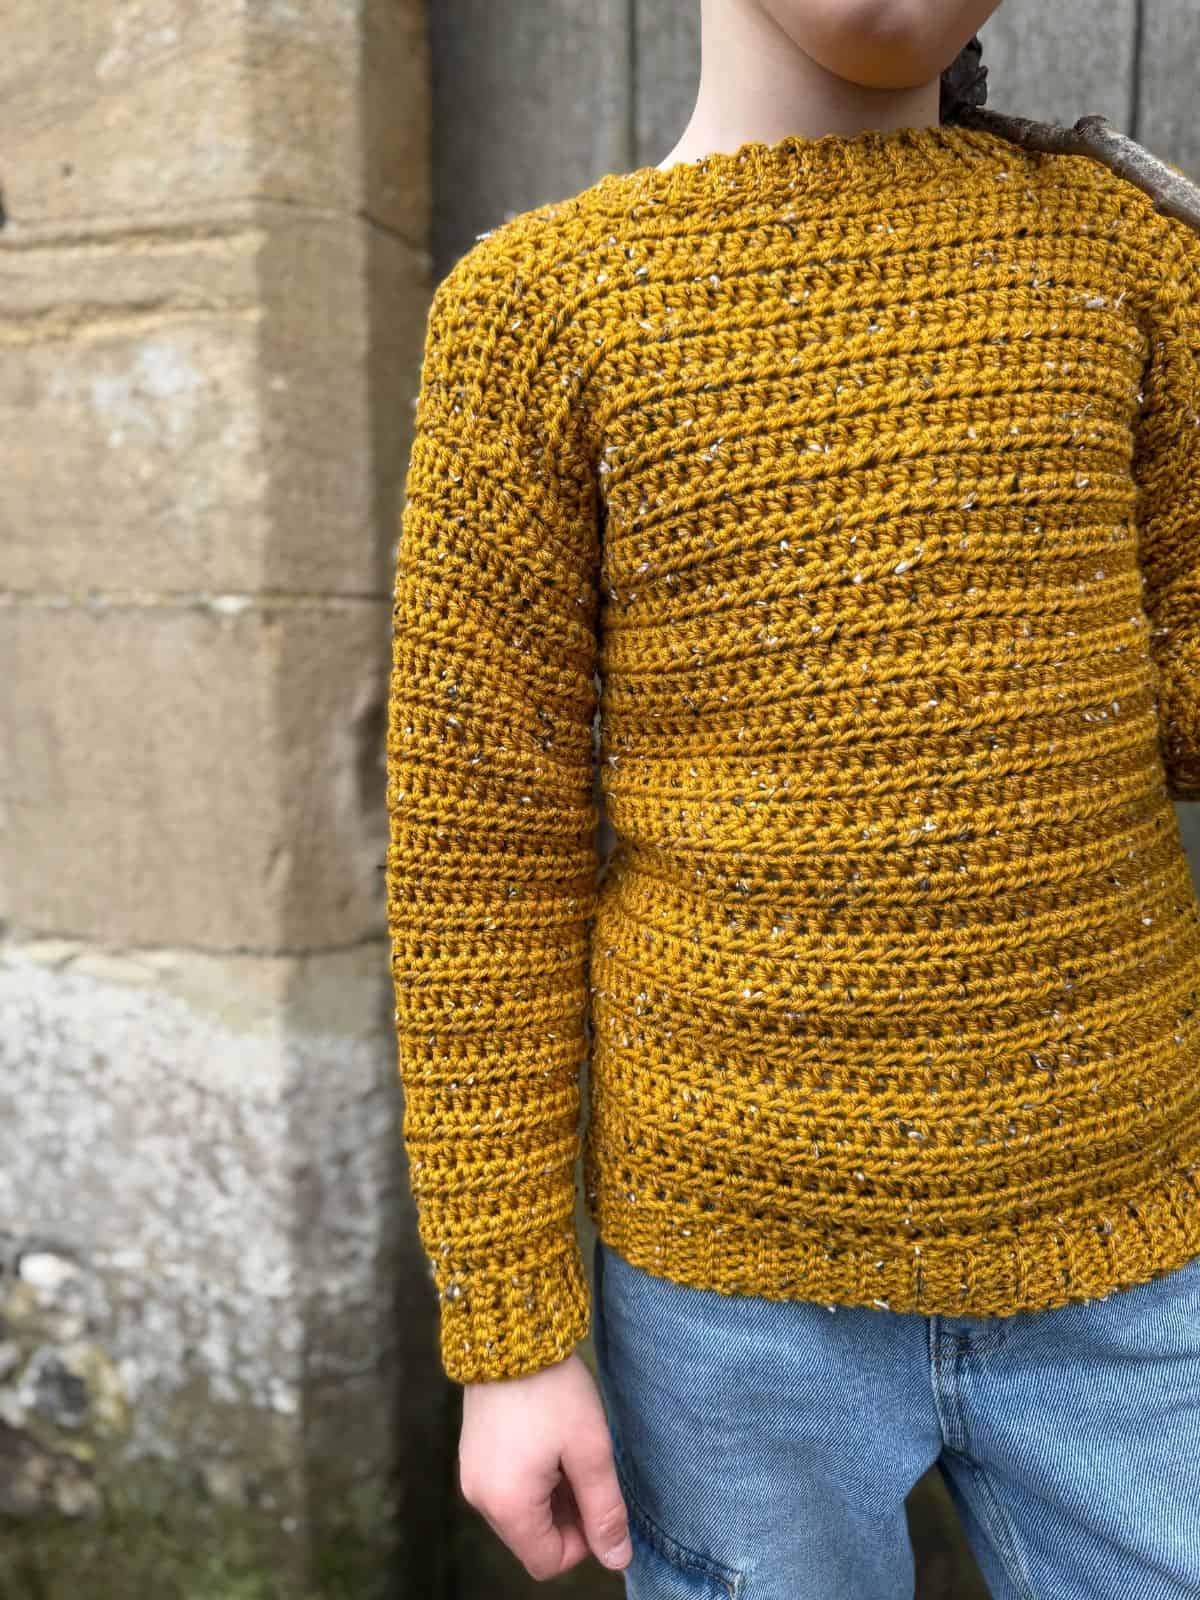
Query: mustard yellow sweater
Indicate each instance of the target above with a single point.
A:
(856, 483)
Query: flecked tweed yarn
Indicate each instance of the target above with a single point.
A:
(853, 482)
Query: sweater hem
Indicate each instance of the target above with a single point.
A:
(1106, 1246)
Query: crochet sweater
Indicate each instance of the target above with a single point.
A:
(852, 481)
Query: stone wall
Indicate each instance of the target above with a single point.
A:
(218, 1362)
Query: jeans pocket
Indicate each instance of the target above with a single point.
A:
(662, 1567)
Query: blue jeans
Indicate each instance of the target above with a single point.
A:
(765, 1448)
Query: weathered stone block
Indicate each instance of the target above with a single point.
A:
(131, 445)
(206, 1252)
(220, 414)
(341, 336)
(133, 113)
(202, 775)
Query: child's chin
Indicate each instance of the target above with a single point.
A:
(874, 44)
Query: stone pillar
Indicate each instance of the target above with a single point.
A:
(217, 1343)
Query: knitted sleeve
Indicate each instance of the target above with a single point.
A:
(491, 863)
(1167, 470)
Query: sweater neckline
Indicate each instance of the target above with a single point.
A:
(891, 155)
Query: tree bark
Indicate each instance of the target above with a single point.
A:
(1172, 191)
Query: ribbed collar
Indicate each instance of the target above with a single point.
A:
(756, 167)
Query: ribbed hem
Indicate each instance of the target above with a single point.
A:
(1091, 1253)
(892, 155)
(511, 1321)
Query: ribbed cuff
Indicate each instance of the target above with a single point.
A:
(507, 1322)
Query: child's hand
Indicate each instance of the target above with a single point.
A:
(535, 1460)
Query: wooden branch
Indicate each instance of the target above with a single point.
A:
(1173, 193)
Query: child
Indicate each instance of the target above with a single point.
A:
(846, 461)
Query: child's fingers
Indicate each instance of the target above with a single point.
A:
(588, 1463)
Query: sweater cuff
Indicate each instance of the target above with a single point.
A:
(511, 1320)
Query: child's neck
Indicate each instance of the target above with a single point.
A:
(757, 84)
